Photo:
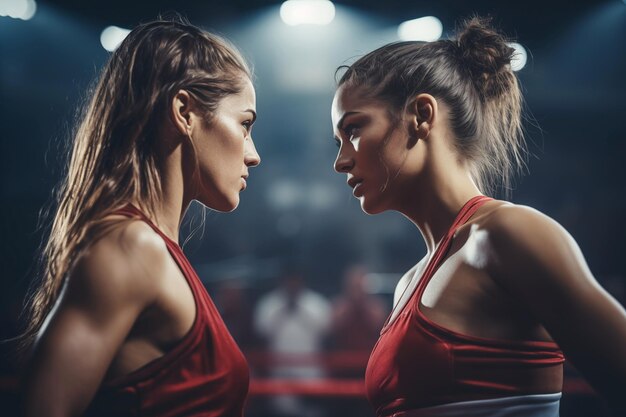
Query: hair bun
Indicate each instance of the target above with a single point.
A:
(485, 56)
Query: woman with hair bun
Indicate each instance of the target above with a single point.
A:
(481, 324)
(120, 324)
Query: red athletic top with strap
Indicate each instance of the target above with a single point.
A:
(205, 374)
(417, 363)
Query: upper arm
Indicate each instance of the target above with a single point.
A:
(104, 294)
(539, 263)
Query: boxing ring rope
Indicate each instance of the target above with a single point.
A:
(262, 362)
(333, 386)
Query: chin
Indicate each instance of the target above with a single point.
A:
(229, 205)
(223, 204)
(371, 207)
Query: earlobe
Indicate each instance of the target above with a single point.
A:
(423, 129)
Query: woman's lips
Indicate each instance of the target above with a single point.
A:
(356, 185)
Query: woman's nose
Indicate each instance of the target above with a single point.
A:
(251, 157)
(344, 161)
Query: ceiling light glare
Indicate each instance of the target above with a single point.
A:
(425, 29)
(307, 12)
(18, 9)
(519, 57)
(112, 36)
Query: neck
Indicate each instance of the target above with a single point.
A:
(173, 202)
(433, 210)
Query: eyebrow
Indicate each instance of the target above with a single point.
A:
(253, 114)
(340, 122)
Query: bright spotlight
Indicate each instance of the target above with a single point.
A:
(426, 29)
(30, 10)
(307, 12)
(18, 9)
(112, 36)
(519, 57)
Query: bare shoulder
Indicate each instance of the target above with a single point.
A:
(113, 281)
(124, 265)
(517, 222)
(524, 240)
(540, 264)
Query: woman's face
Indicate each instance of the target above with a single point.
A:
(372, 149)
(225, 150)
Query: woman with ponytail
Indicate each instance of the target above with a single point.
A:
(119, 322)
(481, 324)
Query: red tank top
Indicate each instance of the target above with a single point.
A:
(205, 374)
(417, 363)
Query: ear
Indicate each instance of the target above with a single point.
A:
(180, 112)
(422, 112)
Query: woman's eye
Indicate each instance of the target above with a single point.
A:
(351, 131)
(337, 142)
(247, 125)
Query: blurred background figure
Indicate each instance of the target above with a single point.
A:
(357, 315)
(293, 321)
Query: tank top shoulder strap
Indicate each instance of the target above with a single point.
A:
(467, 211)
(130, 210)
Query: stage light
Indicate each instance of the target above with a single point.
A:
(30, 10)
(112, 36)
(18, 9)
(426, 29)
(307, 12)
(519, 58)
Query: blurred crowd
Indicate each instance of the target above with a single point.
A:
(293, 333)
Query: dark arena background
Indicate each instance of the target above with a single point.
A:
(297, 223)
